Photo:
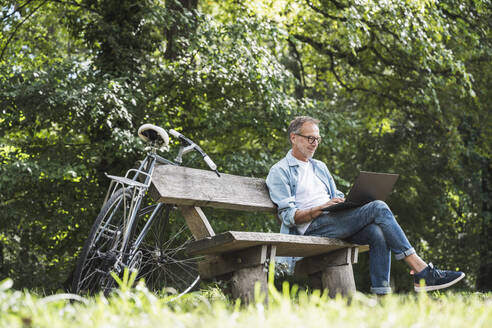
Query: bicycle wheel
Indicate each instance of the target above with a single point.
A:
(160, 258)
(102, 250)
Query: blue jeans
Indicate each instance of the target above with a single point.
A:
(372, 224)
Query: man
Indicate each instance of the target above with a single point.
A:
(302, 186)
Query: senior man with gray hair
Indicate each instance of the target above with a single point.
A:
(302, 186)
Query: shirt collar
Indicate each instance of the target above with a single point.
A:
(292, 161)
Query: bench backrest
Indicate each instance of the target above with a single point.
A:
(191, 188)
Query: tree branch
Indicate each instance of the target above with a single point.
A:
(332, 69)
(299, 61)
(325, 14)
(74, 3)
(317, 45)
(338, 4)
(18, 26)
(18, 9)
(338, 53)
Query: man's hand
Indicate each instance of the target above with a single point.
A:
(310, 214)
(333, 201)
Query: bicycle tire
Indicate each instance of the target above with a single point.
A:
(100, 251)
(160, 258)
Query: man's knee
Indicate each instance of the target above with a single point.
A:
(382, 210)
(379, 204)
(375, 233)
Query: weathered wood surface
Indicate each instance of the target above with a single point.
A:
(286, 245)
(197, 222)
(215, 266)
(186, 186)
(313, 264)
(338, 279)
(219, 265)
(243, 283)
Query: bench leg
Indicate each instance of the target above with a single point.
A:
(244, 280)
(338, 279)
(332, 271)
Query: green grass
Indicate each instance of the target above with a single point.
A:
(137, 307)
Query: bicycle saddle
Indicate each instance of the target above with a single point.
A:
(153, 133)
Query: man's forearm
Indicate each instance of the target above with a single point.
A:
(307, 215)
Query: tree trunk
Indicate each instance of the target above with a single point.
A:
(177, 29)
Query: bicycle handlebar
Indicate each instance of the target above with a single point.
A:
(193, 145)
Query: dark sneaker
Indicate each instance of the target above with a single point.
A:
(434, 278)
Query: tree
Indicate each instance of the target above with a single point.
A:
(405, 72)
(399, 86)
(79, 77)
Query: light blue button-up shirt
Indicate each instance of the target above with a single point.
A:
(282, 185)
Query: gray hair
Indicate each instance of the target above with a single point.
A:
(297, 123)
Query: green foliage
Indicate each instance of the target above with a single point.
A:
(70, 114)
(400, 86)
(406, 86)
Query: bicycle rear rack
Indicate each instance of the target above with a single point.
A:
(127, 182)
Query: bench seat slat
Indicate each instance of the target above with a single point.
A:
(287, 245)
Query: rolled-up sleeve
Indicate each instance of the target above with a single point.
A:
(280, 193)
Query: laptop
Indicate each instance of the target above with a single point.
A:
(367, 187)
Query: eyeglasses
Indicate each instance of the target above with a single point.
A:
(310, 139)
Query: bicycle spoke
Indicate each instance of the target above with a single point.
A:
(170, 273)
(160, 256)
(88, 277)
(164, 262)
(167, 274)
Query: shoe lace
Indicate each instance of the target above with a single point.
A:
(436, 273)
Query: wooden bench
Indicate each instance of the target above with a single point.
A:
(327, 262)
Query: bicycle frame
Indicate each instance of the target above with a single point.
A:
(131, 231)
(131, 181)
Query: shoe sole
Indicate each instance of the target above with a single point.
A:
(436, 287)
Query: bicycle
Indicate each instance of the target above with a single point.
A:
(131, 231)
